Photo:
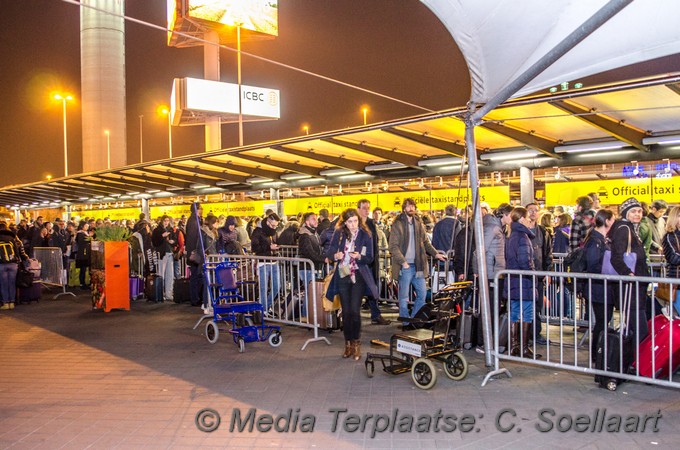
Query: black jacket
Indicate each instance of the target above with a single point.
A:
(594, 249)
(309, 246)
(161, 243)
(262, 239)
(619, 234)
(9, 236)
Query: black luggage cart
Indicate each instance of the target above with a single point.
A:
(436, 339)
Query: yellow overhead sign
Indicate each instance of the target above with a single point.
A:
(614, 192)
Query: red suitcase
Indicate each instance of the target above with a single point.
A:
(666, 344)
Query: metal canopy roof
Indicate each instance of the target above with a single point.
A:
(629, 112)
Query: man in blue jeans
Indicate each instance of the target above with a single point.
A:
(409, 247)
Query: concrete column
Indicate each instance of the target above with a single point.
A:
(211, 71)
(526, 185)
(67, 213)
(145, 208)
(17, 216)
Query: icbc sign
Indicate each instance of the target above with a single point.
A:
(260, 101)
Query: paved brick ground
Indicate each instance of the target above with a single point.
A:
(76, 378)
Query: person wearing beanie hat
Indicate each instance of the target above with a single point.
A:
(227, 238)
(622, 232)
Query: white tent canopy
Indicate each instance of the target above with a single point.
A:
(501, 39)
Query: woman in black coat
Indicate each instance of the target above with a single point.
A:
(601, 298)
(671, 251)
(351, 248)
(624, 231)
(83, 251)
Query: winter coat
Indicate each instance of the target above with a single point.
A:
(309, 246)
(561, 240)
(671, 251)
(364, 245)
(399, 240)
(191, 239)
(494, 246)
(262, 239)
(161, 243)
(519, 255)
(542, 243)
(209, 240)
(445, 232)
(227, 241)
(594, 249)
(83, 254)
(619, 234)
(326, 235)
(19, 253)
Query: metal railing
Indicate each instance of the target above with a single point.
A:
(653, 359)
(52, 270)
(286, 288)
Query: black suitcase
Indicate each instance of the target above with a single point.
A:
(29, 294)
(153, 290)
(612, 357)
(180, 290)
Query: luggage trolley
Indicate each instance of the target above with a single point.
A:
(244, 317)
(436, 339)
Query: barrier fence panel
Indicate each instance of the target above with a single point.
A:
(52, 271)
(286, 288)
(618, 303)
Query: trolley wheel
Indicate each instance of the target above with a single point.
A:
(240, 320)
(241, 345)
(212, 332)
(370, 368)
(257, 317)
(612, 385)
(456, 366)
(275, 339)
(423, 373)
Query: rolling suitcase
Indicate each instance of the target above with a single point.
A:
(153, 290)
(136, 288)
(29, 294)
(620, 348)
(655, 360)
(180, 290)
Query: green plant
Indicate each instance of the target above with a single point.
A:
(112, 233)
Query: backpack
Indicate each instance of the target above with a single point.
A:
(6, 252)
(575, 261)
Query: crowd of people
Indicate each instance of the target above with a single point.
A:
(515, 237)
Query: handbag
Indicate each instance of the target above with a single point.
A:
(327, 304)
(629, 258)
(195, 257)
(666, 292)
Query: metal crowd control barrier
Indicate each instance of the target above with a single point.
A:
(286, 288)
(52, 270)
(653, 361)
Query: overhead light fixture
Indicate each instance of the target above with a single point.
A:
(434, 162)
(211, 189)
(590, 147)
(255, 180)
(225, 183)
(336, 172)
(384, 166)
(509, 155)
(606, 154)
(198, 186)
(294, 176)
(354, 176)
(148, 191)
(662, 140)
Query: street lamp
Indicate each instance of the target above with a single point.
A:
(108, 149)
(365, 111)
(64, 98)
(141, 141)
(305, 128)
(164, 110)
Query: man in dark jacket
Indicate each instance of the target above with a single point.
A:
(163, 240)
(542, 245)
(194, 245)
(309, 247)
(364, 208)
(409, 247)
(324, 221)
(61, 238)
(446, 230)
(34, 237)
(263, 243)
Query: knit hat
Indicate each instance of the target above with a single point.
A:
(629, 204)
(231, 220)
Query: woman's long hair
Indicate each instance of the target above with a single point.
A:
(517, 213)
(347, 214)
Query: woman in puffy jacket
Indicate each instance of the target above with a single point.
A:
(594, 247)
(521, 292)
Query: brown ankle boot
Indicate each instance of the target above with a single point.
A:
(514, 339)
(357, 350)
(349, 349)
(527, 351)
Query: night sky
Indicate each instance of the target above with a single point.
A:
(398, 48)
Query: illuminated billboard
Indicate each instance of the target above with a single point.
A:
(254, 15)
(257, 19)
(192, 100)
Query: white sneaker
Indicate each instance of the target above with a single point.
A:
(207, 310)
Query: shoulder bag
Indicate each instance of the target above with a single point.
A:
(629, 258)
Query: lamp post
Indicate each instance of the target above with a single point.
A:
(166, 111)
(141, 141)
(64, 99)
(108, 149)
(365, 111)
(305, 128)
